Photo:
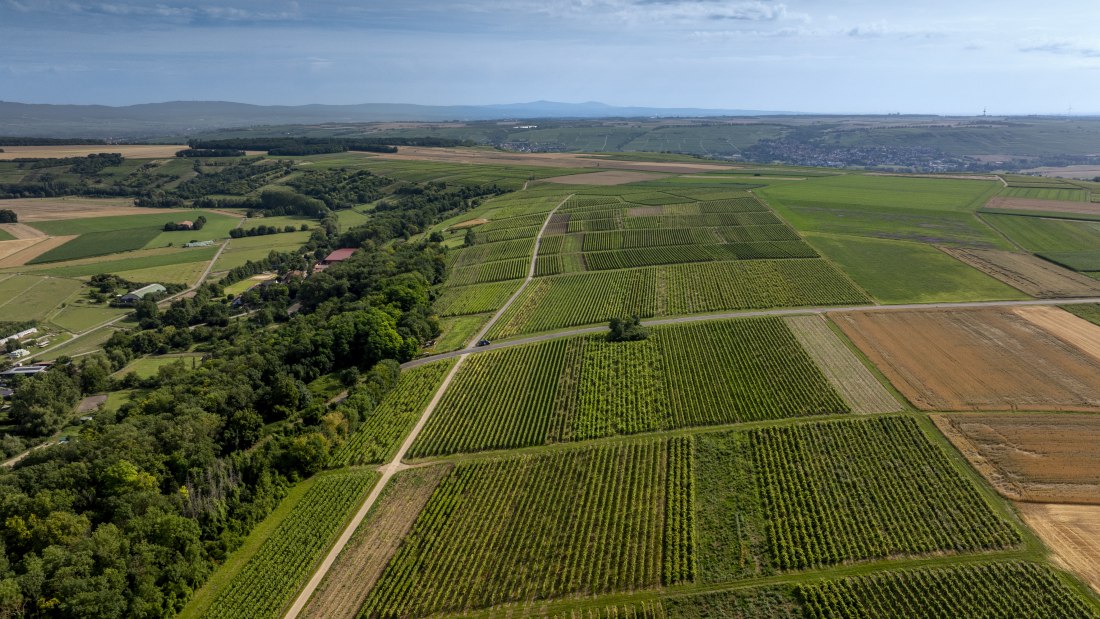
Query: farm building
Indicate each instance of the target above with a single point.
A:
(24, 370)
(185, 225)
(335, 257)
(199, 244)
(19, 336)
(19, 354)
(140, 293)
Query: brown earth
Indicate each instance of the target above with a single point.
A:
(845, 372)
(553, 160)
(621, 177)
(90, 403)
(134, 151)
(22, 231)
(31, 210)
(469, 223)
(353, 575)
(1073, 329)
(1029, 274)
(1043, 206)
(1072, 532)
(30, 252)
(989, 359)
(1034, 457)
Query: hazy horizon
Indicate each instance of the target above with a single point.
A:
(849, 57)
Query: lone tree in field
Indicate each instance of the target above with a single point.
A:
(8, 216)
(627, 330)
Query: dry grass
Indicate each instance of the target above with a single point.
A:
(618, 177)
(53, 209)
(469, 223)
(34, 248)
(133, 151)
(1028, 274)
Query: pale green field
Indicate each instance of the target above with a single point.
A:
(77, 318)
(257, 248)
(88, 343)
(186, 273)
(147, 367)
(31, 297)
(217, 227)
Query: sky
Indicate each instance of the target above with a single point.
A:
(836, 56)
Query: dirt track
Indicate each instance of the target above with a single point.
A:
(352, 576)
(1046, 458)
(1072, 532)
(975, 360)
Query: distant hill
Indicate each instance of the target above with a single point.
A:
(188, 117)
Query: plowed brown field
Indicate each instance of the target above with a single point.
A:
(1073, 329)
(1072, 532)
(1029, 274)
(975, 360)
(358, 567)
(1031, 457)
(1043, 206)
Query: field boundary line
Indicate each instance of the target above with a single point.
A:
(530, 277)
(388, 471)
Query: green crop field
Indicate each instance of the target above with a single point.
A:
(92, 244)
(5, 236)
(457, 330)
(217, 227)
(78, 318)
(580, 522)
(1071, 194)
(154, 219)
(281, 565)
(1075, 244)
(570, 300)
(31, 297)
(906, 272)
(150, 259)
(382, 429)
(585, 387)
(147, 367)
(915, 209)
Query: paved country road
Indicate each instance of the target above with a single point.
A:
(748, 314)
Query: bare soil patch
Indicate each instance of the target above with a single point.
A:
(1043, 206)
(31, 210)
(1029, 274)
(845, 372)
(134, 151)
(90, 403)
(619, 177)
(645, 211)
(353, 575)
(990, 359)
(1072, 532)
(1073, 329)
(22, 231)
(553, 160)
(25, 255)
(1047, 458)
(469, 223)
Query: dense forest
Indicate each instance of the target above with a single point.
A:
(131, 517)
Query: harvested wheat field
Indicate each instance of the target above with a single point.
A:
(990, 359)
(1033, 457)
(1072, 532)
(845, 372)
(31, 210)
(19, 255)
(358, 567)
(1043, 206)
(134, 151)
(1073, 329)
(1028, 274)
(469, 223)
(552, 160)
(22, 231)
(617, 177)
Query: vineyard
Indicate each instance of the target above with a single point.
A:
(499, 270)
(577, 522)
(383, 428)
(464, 300)
(505, 250)
(585, 387)
(994, 591)
(268, 581)
(586, 298)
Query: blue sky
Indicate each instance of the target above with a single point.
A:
(840, 56)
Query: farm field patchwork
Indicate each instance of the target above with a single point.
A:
(550, 303)
(929, 275)
(1029, 274)
(1051, 207)
(144, 259)
(1075, 244)
(990, 359)
(91, 244)
(585, 387)
(32, 210)
(1059, 192)
(1034, 457)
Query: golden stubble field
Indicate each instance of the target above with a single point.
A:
(131, 151)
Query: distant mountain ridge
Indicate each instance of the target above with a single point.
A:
(187, 117)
